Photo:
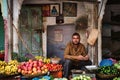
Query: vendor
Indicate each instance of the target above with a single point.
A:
(75, 55)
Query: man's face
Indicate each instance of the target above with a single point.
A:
(75, 39)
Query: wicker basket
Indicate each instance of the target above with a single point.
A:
(11, 75)
(106, 75)
(33, 75)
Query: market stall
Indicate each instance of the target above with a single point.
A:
(42, 68)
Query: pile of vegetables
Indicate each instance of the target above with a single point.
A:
(48, 78)
(108, 70)
(82, 77)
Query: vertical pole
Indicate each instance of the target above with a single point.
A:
(100, 17)
(16, 11)
(4, 8)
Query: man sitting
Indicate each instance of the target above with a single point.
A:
(75, 55)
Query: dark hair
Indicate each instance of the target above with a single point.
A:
(76, 34)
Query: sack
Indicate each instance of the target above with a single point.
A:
(92, 36)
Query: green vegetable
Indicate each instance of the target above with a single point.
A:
(81, 77)
(108, 70)
(116, 78)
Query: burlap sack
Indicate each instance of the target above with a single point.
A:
(92, 36)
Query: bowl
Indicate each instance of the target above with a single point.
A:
(55, 60)
(91, 67)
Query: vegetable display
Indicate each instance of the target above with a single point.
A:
(108, 70)
(82, 77)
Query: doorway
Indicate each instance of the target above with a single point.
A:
(111, 30)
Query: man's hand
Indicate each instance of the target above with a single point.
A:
(80, 57)
(86, 57)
